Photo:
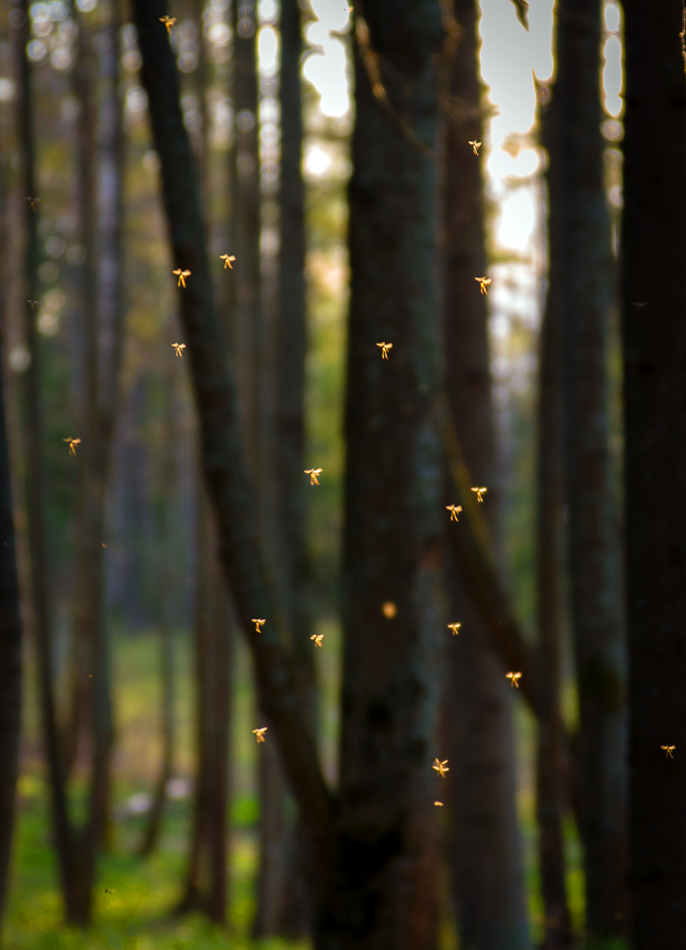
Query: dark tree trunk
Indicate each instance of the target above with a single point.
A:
(550, 752)
(32, 431)
(587, 283)
(654, 343)
(380, 890)
(222, 456)
(10, 617)
(484, 847)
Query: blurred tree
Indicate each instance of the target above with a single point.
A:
(654, 354)
(484, 848)
(10, 617)
(581, 252)
(550, 753)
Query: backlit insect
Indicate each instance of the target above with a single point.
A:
(440, 804)
(483, 283)
(179, 347)
(389, 609)
(385, 347)
(32, 303)
(669, 749)
(480, 492)
(454, 511)
(259, 734)
(514, 679)
(455, 627)
(169, 22)
(475, 146)
(33, 202)
(317, 637)
(182, 275)
(72, 445)
(228, 260)
(258, 624)
(440, 767)
(313, 473)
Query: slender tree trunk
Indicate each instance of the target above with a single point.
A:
(484, 847)
(654, 345)
(550, 752)
(380, 890)
(587, 281)
(10, 614)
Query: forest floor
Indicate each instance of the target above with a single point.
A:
(134, 897)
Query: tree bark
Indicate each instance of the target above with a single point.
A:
(587, 284)
(10, 615)
(550, 752)
(484, 846)
(654, 357)
(222, 456)
(380, 890)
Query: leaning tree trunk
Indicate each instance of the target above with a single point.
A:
(380, 890)
(10, 620)
(550, 752)
(587, 280)
(485, 850)
(654, 344)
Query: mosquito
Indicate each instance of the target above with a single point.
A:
(228, 260)
(514, 679)
(258, 624)
(475, 146)
(317, 637)
(72, 445)
(169, 22)
(182, 275)
(483, 283)
(454, 511)
(33, 202)
(33, 304)
(669, 749)
(440, 767)
(313, 473)
(385, 347)
(179, 347)
(259, 734)
(455, 627)
(480, 492)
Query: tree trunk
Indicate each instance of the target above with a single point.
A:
(380, 890)
(550, 752)
(32, 431)
(587, 283)
(654, 345)
(10, 615)
(484, 847)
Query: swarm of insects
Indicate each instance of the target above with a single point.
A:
(480, 492)
(669, 749)
(258, 624)
(454, 511)
(475, 146)
(483, 283)
(514, 679)
(385, 347)
(455, 627)
(317, 637)
(169, 22)
(313, 473)
(440, 767)
(182, 275)
(179, 347)
(228, 260)
(259, 734)
(72, 445)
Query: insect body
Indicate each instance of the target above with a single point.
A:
(475, 146)
(385, 347)
(258, 624)
(33, 202)
(313, 473)
(72, 445)
(483, 283)
(228, 260)
(259, 734)
(669, 749)
(454, 511)
(317, 637)
(179, 347)
(169, 22)
(455, 627)
(480, 492)
(440, 767)
(514, 679)
(182, 275)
